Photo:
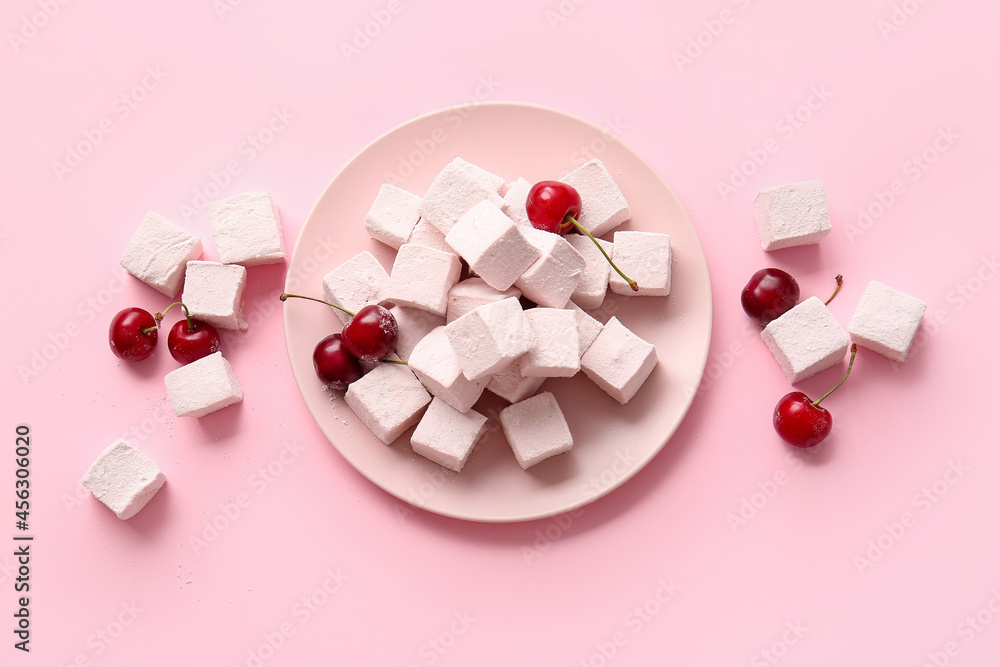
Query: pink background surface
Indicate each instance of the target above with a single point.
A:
(881, 549)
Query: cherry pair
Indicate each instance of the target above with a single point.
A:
(134, 332)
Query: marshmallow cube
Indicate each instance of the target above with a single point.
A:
(393, 215)
(388, 400)
(472, 293)
(510, 385)
(123, 478)
(447, 436)
(414, 324)
(422, 277)
(552, 278)
(356, 283)
(556, 352)
(536, 429)
(490, 337)
(213, 293)
(426, 234)
(618, 361)
(593, 285)
(159, 252)
(806, 340)
(456, 189)
(203, 386)
(246, 229)
(604, 206)
(493, 245)
(792, 214)
(645, 257)
(514, 202)
(886, 320)
(588, 327)
(435, 364)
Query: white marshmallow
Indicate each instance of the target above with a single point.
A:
(203, 386)
(806, 340)
(514, 201)
(556, 352)
(213, 293)
(510, 385)
(488, 338)
(356, 283)
(536, 429)
(393, 215)
(552, 278)
(492, 244)
(159, 252)
(618, 361)
(645, 257)
(447, 436)
(886, 320)
(435, 364)
(593, 285)
(414, 324)
(472, 293)
(791, 215)
(603, 204)
(123, 478)
(246, 229)
(388, 400)
(456, 189)
(426, 234)
(588, 327)
(422, 277)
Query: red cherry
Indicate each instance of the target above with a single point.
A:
(550, 203)
(133, 334)
(769, 294)
(800, 421)
(371, 334)
(334, 365)
(190, 340)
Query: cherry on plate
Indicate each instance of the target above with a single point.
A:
(371, 334)
(334, 365)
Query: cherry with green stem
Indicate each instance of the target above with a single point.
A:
(371, 333)
(800, 421)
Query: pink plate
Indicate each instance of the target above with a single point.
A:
(612, 442)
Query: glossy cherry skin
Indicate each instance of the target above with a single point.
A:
(769, 294)
(371, 334)
(549, 203)
(187, 344)
(133, 334)
(799, 422)
(334, 365)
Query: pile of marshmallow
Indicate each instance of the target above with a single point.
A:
(246, 230)
(463, 337)
(808, 339)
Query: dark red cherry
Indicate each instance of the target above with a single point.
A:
(371, 334)
(190, 342)
(769, 294)
(801, 422)
(334, 365)
(133, 334)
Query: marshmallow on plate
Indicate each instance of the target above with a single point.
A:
(213, 293)
(618, 361)
(457, 188)
(536, 429)
(246, 229)
(488, 338)
(603, 204)
(203, 386)
(886, 320)
(123, 478)
(435, 364)
(426, 234)
(388, 400)
(552, 278)
(356, 283)
(791, 215)
(645, 257)
(422, 277)
(593, 285)
(393, 215)
(514, 201)
(158, 253)
(510, 385)
(588, 327)
(413, 325)
(447, 436)
(806, 340)
(556, 352)
(492, 244)
(472, 293)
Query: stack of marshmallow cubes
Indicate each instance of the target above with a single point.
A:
(464, 337)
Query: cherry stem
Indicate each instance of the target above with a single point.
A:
(583, 230)
(850, 364)
(840, 283)
(283, 297)
(395, 361)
